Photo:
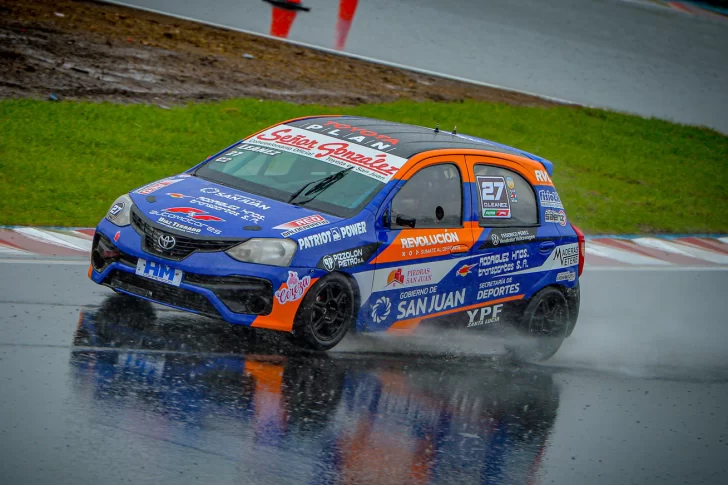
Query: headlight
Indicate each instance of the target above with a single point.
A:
(120, 212)
(275, 252)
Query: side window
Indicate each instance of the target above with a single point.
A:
(504, 197)
(433, 197)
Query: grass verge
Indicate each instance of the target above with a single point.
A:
(62, 164)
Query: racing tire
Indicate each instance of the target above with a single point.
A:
(325, 314)
(544, 324)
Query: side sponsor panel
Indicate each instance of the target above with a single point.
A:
(413, 244)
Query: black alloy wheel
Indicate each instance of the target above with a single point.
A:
(545, 323)
(326, 313)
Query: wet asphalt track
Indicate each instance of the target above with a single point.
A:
(617, 54)
(94, 392)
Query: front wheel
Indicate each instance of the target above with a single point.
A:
(325, 314)
(544, 325)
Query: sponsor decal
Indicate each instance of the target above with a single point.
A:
(196, 214)
(361, 136)
(566, 255)
(507, 236)
(499, 291)
(562, 256)
(294, 288)
(542, 176)
(549, 198)
(333, 234)
(494, 199)
(418, 292)
(219, 206)
(512, 189)
(154, 186)
(187, 219)
(409, 277)
(115, 210)
(159, 272)
(413, 275)
(485, 315)
(555, 216)
(302, 224)
(465, 269)
(348, 258)
(566, 276)
(235, 197)
(381, 309)
(246, 147)
(497, 263)
(430, 304)
(429, 240)
(365, 160)
(117, 236)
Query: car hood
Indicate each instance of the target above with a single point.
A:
(189, 205)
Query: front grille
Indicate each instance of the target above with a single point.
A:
(184, 246)
(161, 292)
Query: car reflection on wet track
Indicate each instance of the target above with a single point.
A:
(348, 419)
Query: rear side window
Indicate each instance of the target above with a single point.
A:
(433, 196)
(504, 198)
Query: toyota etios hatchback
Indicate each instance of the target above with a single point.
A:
(322, 225)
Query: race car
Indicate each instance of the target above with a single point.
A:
(327, 224)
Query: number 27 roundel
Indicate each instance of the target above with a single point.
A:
(494, 200)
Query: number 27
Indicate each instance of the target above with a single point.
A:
(488, 188)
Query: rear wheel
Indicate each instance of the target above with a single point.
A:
(544, 325)
(326, 313)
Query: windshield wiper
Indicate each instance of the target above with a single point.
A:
(320, 186)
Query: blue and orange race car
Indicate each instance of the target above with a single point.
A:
(319, 225)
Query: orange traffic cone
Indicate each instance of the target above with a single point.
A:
(284, 13)
(347, 9)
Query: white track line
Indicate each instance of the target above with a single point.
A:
(682, 249)
(663, 269)
(44, 261)
(623, 256)
(80, 235)
(69, 237)
(49, 238)
(724, 240)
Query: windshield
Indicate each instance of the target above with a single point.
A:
(279, 175)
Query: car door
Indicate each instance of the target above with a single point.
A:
(409, 272)
(514, 244)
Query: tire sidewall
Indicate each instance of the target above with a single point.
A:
(547, 345)
(302, 330)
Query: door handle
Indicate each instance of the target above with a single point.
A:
(458, 248)
(546, 247)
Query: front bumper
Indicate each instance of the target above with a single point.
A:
(214, 284)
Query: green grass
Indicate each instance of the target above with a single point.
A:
(64, 163)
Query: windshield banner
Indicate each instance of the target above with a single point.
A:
(366, 161)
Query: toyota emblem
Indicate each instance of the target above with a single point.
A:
(165, 241)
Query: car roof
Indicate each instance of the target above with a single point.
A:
(411, 139)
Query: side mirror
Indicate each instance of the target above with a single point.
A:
(402, 220)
